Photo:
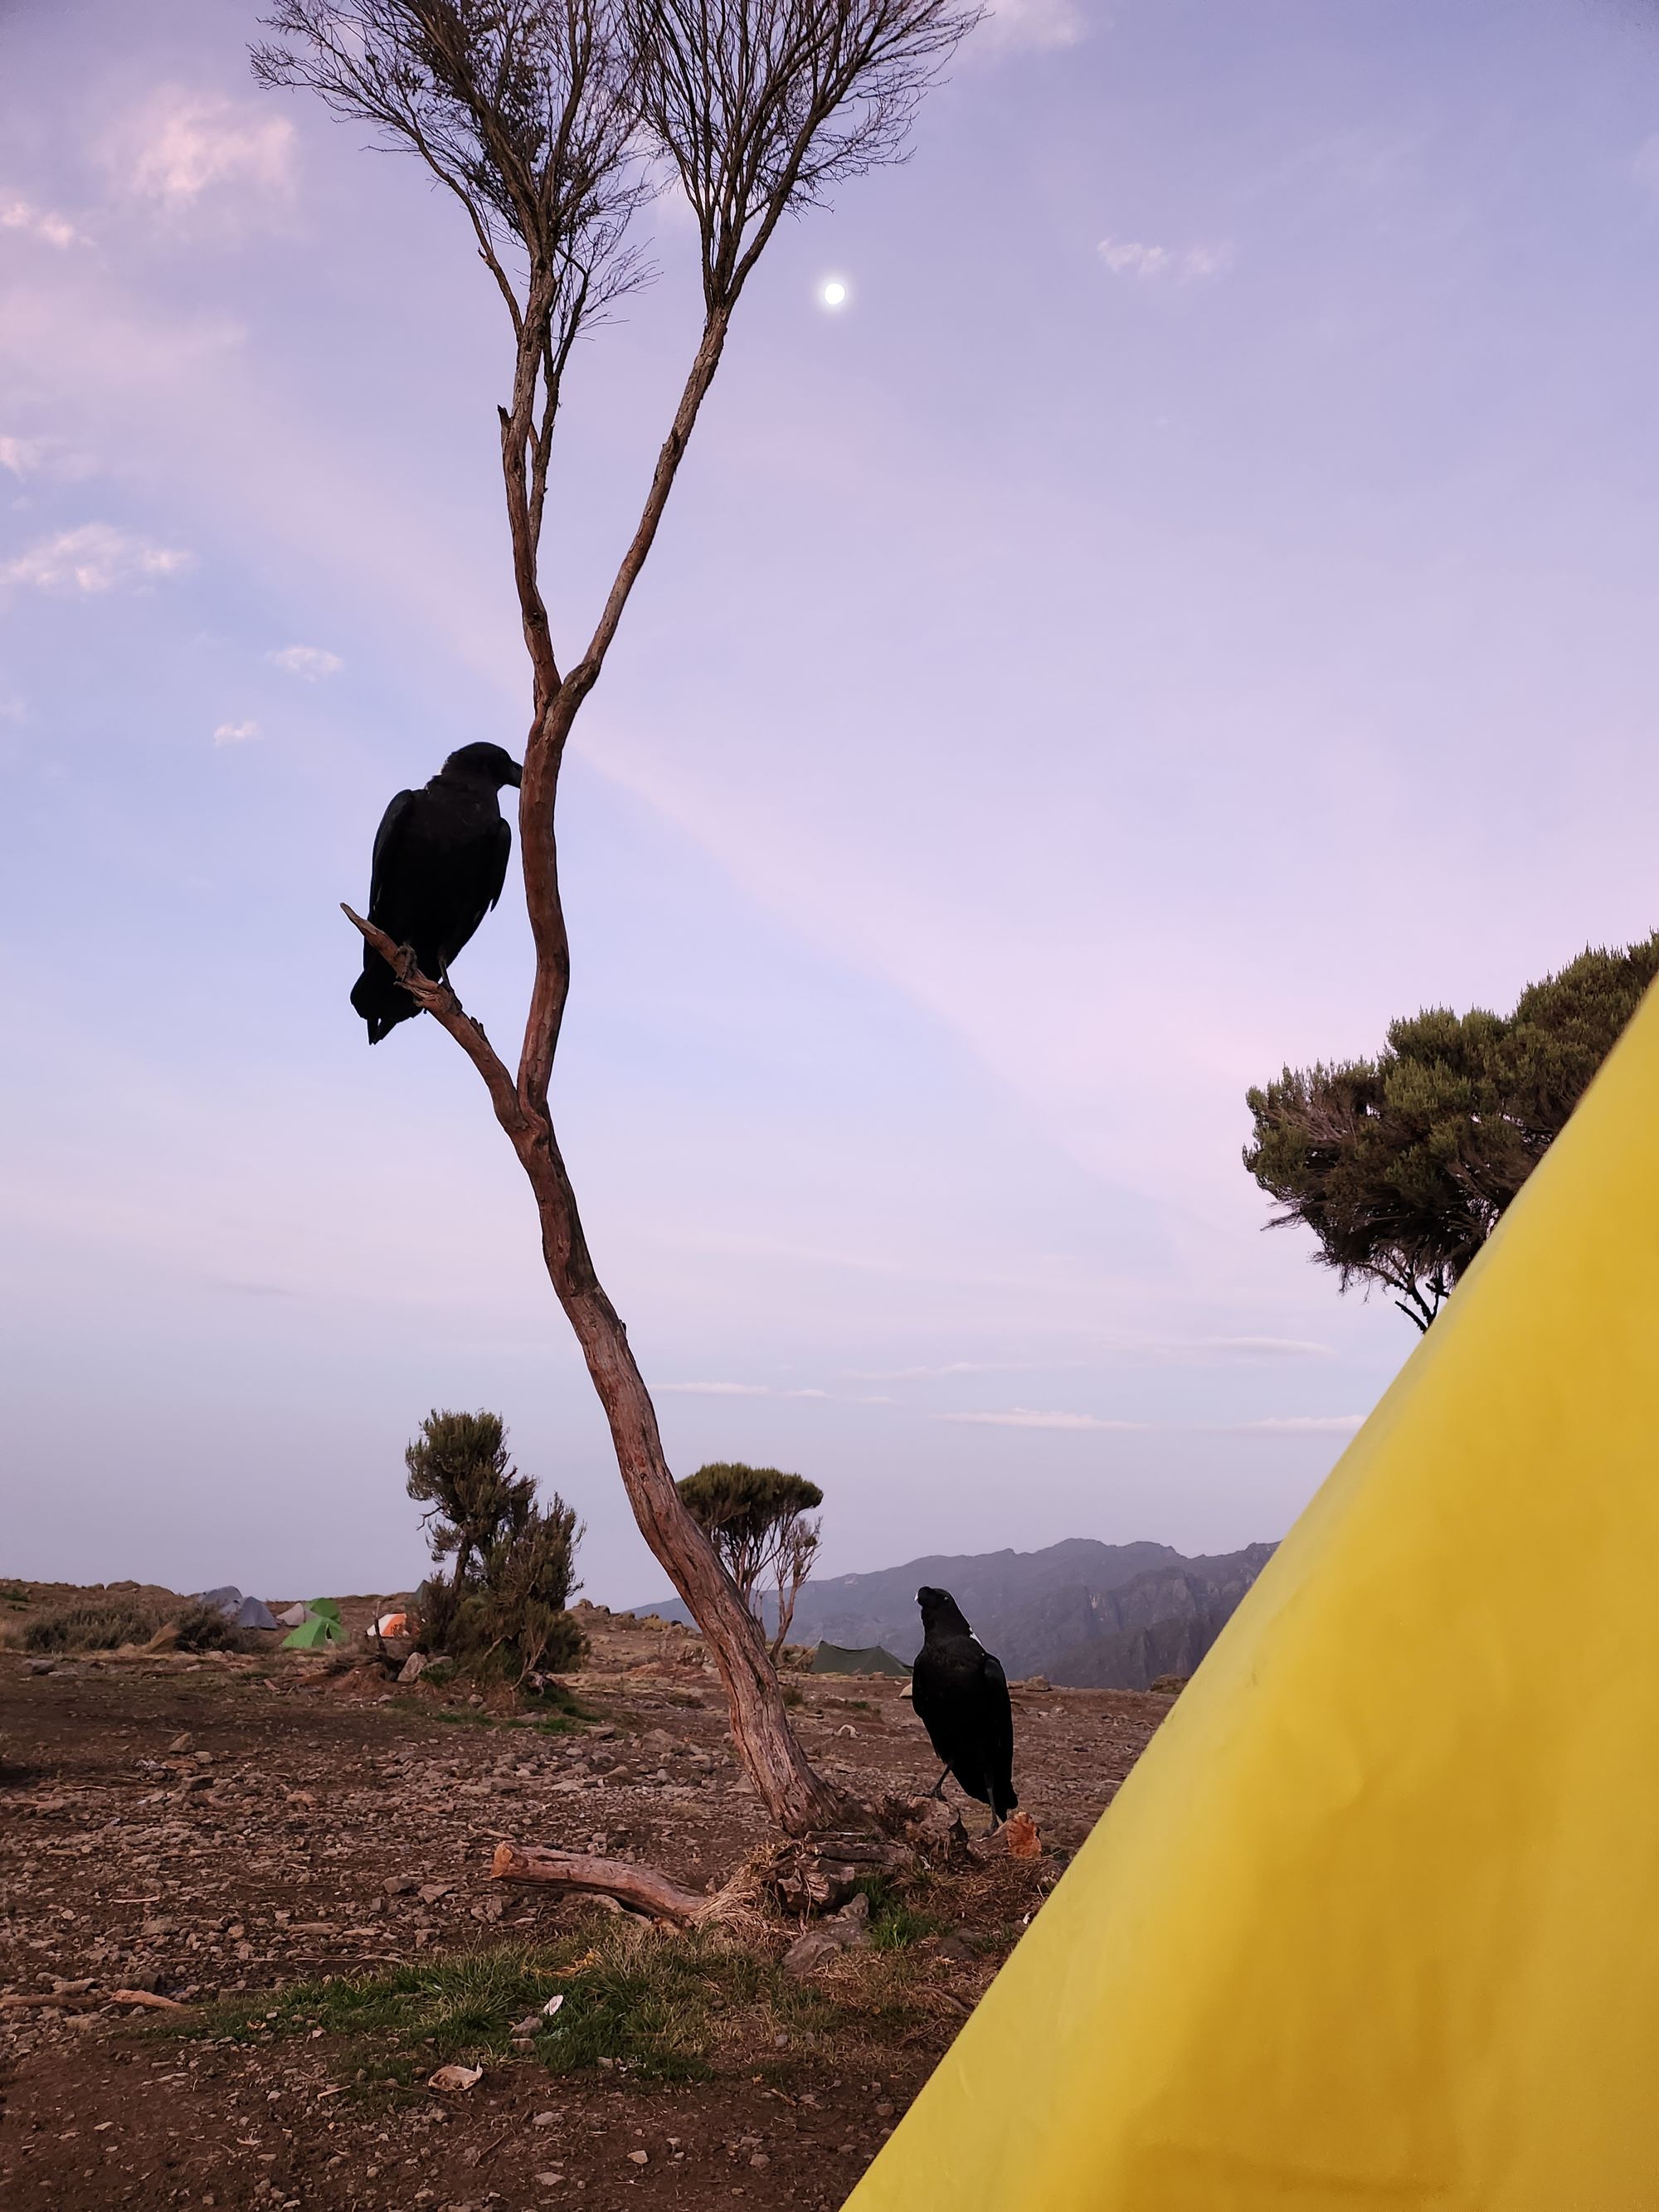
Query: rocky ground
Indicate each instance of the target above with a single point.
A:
(296, 1852)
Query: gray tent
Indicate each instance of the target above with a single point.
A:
(245, 1611)
(837, 1659)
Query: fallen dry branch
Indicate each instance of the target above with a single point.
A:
(640, 1888)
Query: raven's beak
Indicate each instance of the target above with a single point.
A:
(516, 777)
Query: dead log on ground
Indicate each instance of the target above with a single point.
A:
(642, 1889)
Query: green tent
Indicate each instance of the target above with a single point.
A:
(320, 1627)
(837, 1659)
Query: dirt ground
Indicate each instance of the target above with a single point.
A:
(222, 1829)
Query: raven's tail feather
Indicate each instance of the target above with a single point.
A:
(381, 999)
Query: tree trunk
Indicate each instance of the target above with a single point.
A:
(800, 1800)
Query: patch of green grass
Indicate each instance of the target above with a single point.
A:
(654, 2005)
(895, 1922)
(15, 1593)
(899, 1925)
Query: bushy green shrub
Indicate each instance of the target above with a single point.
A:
(106, 1623)
(204, 1628)
(503, 1609)
(93, 1624)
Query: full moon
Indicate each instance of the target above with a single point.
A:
(834, 294)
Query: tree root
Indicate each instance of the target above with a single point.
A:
(814, 1875)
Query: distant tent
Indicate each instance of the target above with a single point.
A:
(837, 1659)
(245, 1612)
(1372, 1920)
(320, 1628)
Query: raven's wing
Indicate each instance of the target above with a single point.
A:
(481, 873)
(386, 843)
(498, 873)
(999, 1714)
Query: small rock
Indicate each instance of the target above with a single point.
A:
(42, 1666)
(545, 2120)
(639, 2158)
(548, 2180)
(402, 1885)
(884, 2111)
(202, 1758)
(524, 2029)
(813, 1949)
(413, 1667)
(430, 1891)
(455, 2078)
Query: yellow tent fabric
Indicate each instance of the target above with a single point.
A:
(1375, 1922)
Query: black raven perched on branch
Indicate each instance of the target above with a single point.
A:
(440, 858)
(961, 1696)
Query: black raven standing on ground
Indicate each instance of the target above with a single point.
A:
(961, 1695)
(440, 859)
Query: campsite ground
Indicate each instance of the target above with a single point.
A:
(319, 1822)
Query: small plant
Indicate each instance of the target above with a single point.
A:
(204, 1628)
(91, 1625)
(503, 1610)
(895, 1922)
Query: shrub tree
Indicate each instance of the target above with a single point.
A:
(755, 1518)
(505, 1603)
(1403, 1165)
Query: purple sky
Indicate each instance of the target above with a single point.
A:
(1195, 601)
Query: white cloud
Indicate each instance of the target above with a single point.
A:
(1030, 26)
(745, 1390)
(1022, 1417)
(235, 734)
(184, 148)
(1296, 1424)
(28, 457)
(96, 557)
(308, 662)
(953, 1367)
(1288, 1424)
(40, 222)
(1264, 1347)
(716, 1389)
(1128, 257)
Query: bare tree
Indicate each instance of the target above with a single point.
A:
(550, 121)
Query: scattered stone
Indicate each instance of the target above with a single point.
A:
(451, 2079)
(413, 1667)
(545, 2120)
(42, 1666)
(639, 2158)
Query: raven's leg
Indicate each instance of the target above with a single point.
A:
(937, 1789)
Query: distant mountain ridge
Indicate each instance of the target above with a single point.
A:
(1091, 1615)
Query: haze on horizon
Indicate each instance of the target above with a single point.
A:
(1189, 603)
